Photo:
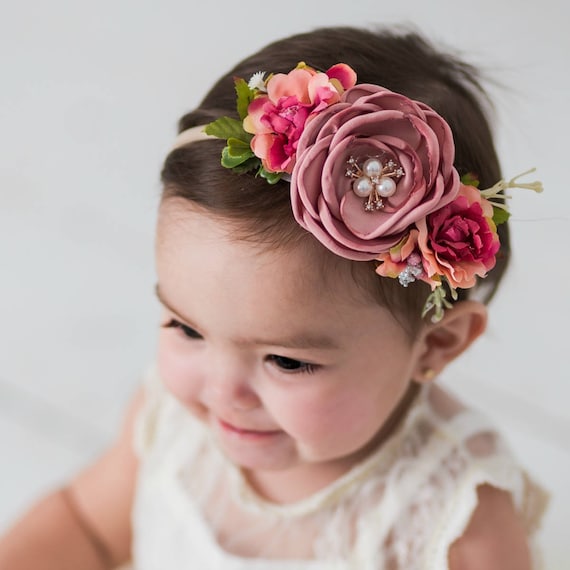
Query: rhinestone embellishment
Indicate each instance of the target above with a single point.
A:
(413, 270)
(374, 179)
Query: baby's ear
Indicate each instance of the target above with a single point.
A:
(442, 342)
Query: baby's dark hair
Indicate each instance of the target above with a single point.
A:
(399, 60)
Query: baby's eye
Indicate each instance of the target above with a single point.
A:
(186, 330)
(291, 365)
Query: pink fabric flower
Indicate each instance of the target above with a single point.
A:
(460, 240)
(277, 118)
(371, 121)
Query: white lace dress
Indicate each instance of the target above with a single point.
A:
(400, 509)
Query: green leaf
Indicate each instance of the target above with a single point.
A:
(225, 128)
(271, 177)
(500, 216)
(470, 179)
(231, 161)
(244, 97)
(437, 302)
(247, 166)
(238, 147)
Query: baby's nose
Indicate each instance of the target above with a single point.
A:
(229, 387)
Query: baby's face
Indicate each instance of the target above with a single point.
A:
(289, 372)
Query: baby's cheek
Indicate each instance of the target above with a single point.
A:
(354, 421)
(329, 422)
(178, 371)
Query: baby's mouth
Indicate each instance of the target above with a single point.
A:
(245, 432)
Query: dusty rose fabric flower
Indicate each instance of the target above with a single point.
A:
(460, 240)
(277, 118)
(371, 121)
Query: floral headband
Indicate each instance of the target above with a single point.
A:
(371, 175)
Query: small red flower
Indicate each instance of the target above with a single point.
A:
(460, 240)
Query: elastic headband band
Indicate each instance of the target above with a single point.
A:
(191, 135)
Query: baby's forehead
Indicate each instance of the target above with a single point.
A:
(303, 271)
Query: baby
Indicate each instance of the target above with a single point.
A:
(331, 225)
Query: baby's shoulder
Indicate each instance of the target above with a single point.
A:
(495, 538)
(460, 468)
(456, 450)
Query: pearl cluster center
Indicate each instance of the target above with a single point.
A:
(374, 180)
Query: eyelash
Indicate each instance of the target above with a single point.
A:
(187, 331)
(303, 367)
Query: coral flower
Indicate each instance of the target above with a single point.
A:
(405, 253)
(394, 261)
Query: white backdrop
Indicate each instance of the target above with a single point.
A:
(89, 99)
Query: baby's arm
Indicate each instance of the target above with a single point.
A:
(87, 524)
(495, 538)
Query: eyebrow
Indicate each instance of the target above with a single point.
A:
(299, 341)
